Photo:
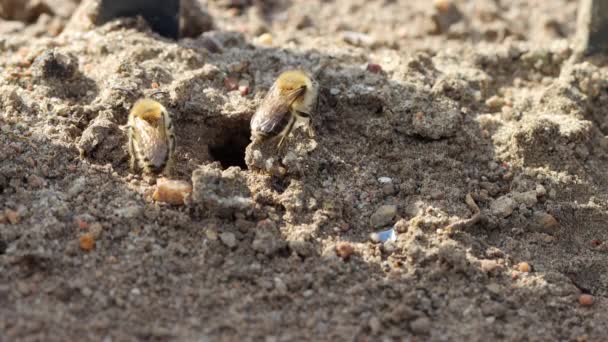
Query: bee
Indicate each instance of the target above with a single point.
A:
(289, 101)
(151, 137)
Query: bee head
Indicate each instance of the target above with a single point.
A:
(292, 80)
(148, 110)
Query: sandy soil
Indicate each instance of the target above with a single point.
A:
(419, 108)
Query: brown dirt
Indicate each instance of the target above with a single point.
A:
(486, 99)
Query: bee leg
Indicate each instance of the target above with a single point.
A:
(292, 121)
(132, 157)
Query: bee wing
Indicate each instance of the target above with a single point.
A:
(270, 118)
(151, 143)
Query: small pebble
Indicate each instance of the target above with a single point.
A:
(334, 91)
(442, 5)
(228, 239)
(383, 216)
(547, 222)
(358, 38)
(211, 234)
(12, 216)
(503, 206)
(421, 326)
(244, 90)
(585, 300)
(265, 39)
(171, 191)
(344, 250)
(87, 242)
(524, 267)
(374, 68)
(495, 102)
(385, 180)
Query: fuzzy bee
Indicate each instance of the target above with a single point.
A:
(289, 101)
(151, 137)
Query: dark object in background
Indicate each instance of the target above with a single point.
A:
(592, 27)
(161, 15)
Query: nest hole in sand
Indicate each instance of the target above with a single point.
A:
(220, 139)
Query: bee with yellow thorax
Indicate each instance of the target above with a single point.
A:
(151, 137)
(289, 101)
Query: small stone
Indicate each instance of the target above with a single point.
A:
(344, 250)
(12, 216)
(585, 300)
(228, 239)
(129, 212)
(171, 191)
(421, 325)
(358, 39)
(244, 90)
(503, 206)
(489, 266)
(527, 198)
(495, 102)
(86, 242)
(265, 39)
(524, 267)
(383, 216)
(211, 234)
(546, 223)
(385, 180)
(374, 68)
(442, 5)
(334, 91)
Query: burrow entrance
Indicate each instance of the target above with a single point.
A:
(202, 141)
(231, 150)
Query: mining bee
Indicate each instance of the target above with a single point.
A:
(151, 137)
(289, 101)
